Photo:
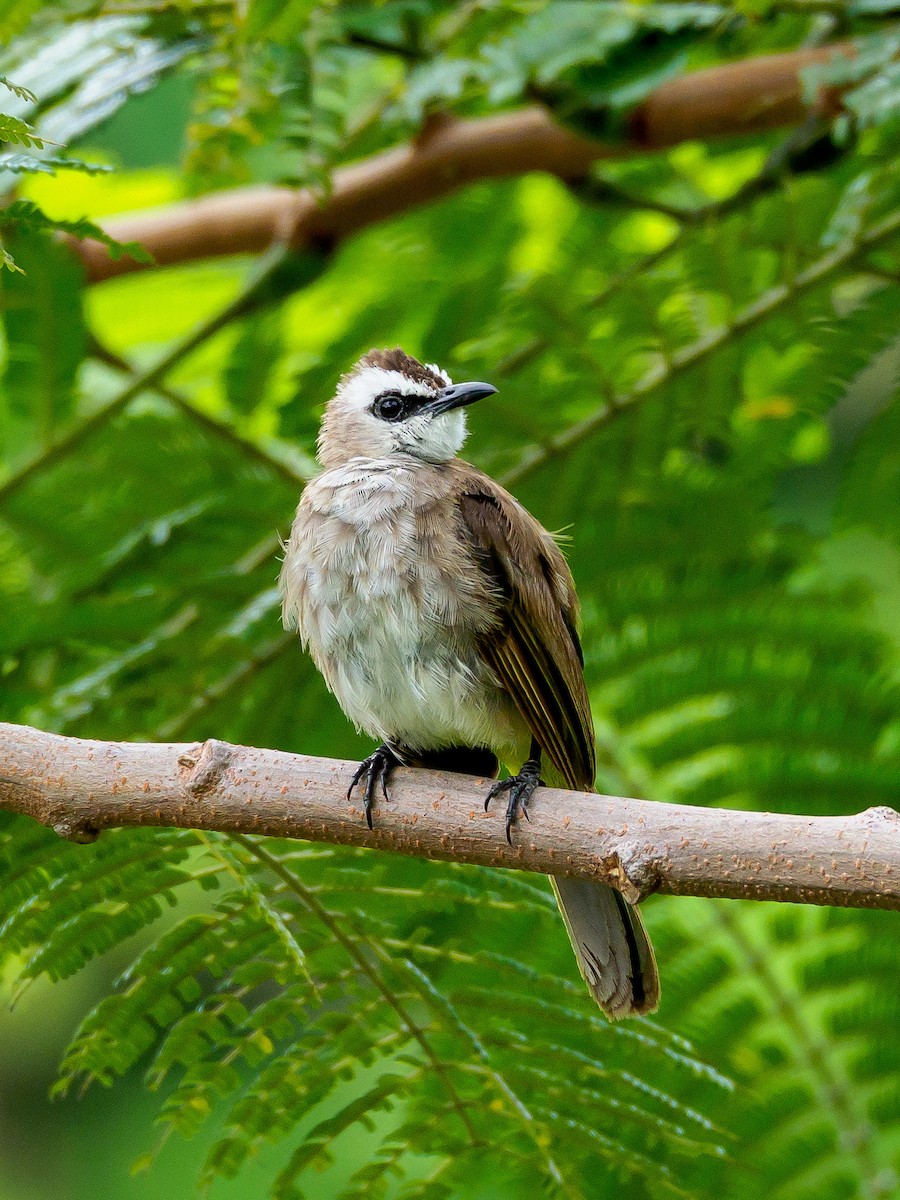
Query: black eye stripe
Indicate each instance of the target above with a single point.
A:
(394, 406)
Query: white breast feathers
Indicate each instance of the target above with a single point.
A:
(375, 581)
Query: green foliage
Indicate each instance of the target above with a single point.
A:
(874, 94)
(319, 968)
(46, 341)
(48, 165)
(25, 217)
(21, 215)
(697, 361)
(248, 375)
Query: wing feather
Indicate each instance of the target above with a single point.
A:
(533, 648)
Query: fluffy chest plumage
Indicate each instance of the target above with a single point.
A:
(390, 605)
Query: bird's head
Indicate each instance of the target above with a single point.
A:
(392, 404)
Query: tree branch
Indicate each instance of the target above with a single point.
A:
(736, 98)
(80, 787)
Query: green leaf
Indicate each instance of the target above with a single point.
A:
(7, 260)
(49, 165)
(253, 360)
(23, 93)
(42, 307)
(277, 19)
(14, 130)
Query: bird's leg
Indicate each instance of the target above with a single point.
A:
(521, 788)
(375, 769)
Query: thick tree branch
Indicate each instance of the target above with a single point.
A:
(737, 98)
(81, 787)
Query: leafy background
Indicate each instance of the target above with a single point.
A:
(697, 361)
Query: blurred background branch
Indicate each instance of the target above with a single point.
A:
(738, 98)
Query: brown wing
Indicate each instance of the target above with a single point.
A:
(534, 648)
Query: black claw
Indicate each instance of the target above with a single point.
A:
(521, 788)
(360, 771)
(375, 771)
(368, 800)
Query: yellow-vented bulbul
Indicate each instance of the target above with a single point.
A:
(444, 619)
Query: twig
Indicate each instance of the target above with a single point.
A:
(213, 425)
(688, 356)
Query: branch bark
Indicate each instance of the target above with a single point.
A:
(80, 787)
(737, 98)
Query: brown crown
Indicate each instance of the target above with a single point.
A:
(398, 360)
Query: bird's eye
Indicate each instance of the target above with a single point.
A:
(390, 407)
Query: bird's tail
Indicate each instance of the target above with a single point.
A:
(614, 954)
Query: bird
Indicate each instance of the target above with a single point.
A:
(444, 619)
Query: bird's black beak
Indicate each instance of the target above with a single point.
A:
(458, 395)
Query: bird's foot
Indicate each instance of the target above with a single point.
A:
(521, 788)
(375, 770)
